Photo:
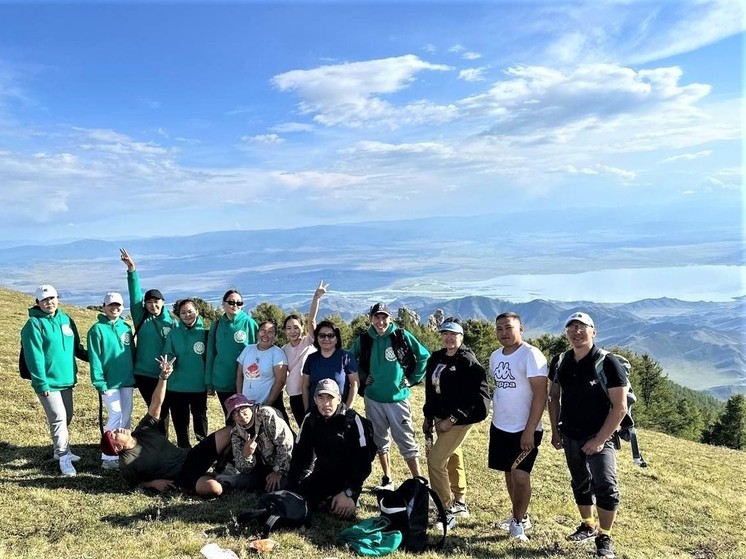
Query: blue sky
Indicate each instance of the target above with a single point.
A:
(140, 120)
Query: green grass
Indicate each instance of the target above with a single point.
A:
(690, 502)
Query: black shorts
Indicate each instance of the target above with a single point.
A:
(505, 448)
(198, 461)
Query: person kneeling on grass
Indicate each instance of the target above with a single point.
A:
(343, 444)
(148, 459)
(262, 445)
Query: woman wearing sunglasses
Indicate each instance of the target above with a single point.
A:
(227, 338)
(330, 361)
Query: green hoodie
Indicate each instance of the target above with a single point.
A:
(188, 346)
(225, 343)
(151, 335)
(110, 353)
(388, 375)
(50, 345)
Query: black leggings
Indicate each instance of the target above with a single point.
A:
(180, 405)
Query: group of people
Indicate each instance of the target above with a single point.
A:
(176, 364)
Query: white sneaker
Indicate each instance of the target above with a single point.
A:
(459, 508)
(110, 464)
(450, 523)
(66, 466)
(73, 457)
(505, 523)
(516, 531)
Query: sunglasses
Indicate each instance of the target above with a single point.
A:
(326, 336)
(234, 303)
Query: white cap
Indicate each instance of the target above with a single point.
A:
(113, 297)
(45, 292)
(580, 317)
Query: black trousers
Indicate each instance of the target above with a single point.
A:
(181, 404)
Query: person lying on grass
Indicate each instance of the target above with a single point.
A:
(148, 459)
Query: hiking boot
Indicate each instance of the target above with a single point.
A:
(66, 466)
(516, 530)
(505, 523)
(73, 457)
(450, 523)
(387, 484)
(459, 508)
(603, 546)
(110, 464)
(583, 533)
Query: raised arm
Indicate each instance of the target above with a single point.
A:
(313, 311)
(159, 394)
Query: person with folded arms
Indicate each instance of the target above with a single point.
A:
(110, 358)
(50, 344)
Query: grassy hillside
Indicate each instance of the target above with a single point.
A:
(690, 502)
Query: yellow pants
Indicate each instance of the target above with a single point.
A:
(445, 465)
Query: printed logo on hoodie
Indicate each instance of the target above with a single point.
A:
(389, 354)
(125, 338)
(66, 330)
(239, 337)
(199, 348)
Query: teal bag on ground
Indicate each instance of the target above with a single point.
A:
(371, 537)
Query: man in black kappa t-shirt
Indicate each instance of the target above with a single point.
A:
(584, 423)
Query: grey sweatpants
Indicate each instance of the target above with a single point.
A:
(394, 418)
(58, 407)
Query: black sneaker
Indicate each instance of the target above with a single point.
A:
(387, 484)
(583, 533)
(603, 546)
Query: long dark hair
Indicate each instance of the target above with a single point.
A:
(326, 324)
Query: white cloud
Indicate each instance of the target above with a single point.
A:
(289, 127)
(349, 94)
(596, 169)
(473, 74)
(456, 48)
(471, 56)
(430, 48)
(263, 139)
(687, 156)
(109, 141)
(316, 180)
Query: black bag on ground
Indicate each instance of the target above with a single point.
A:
(277, 509)
(408, 509)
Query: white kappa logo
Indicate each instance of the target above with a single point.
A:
(199, 348)
(239, 337)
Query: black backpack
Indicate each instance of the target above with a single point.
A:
(277, 509)
(408, 509)
(404, 355)
(22, 366)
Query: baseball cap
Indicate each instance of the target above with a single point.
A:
(153, 294)
(580, 317)
(107, 444)
(380, 308)
(45, 292)
(236, 402)
(327, 386)
(451, 327)
(113, 297)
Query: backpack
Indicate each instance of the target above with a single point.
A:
(408, 510)
(372, 536)
(23, 366)
(626, 429)
(404, 355)
(277, 509)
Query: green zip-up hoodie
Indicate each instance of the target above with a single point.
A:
(151, 336)
(188, 345)
(50, 345)
(225, 343)
(110, 353)
(388, 375)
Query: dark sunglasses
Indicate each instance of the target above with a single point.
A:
(326, 336)
(234, 303)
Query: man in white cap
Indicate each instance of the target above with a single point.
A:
(342, 443)
(584, 423)
(49, 345)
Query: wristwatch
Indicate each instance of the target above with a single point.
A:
(350, 493)
(453, 420)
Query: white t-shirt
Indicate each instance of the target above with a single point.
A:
(511, 401)
(296, 357)
(258, 374)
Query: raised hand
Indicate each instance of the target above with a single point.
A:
(320, 290)
(166, 365)
(250, 446)
(127, 259)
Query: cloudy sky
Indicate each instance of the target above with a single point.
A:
(140, 120)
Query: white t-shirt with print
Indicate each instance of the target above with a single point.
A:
(258, 371)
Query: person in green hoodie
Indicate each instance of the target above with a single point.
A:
(152, 325)
(384, 379)
(227, 338)
(50, 344)
(110, 356)
(187, 391)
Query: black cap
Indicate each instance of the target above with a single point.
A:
(153, 294)
(380, 308)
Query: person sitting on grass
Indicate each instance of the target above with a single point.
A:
(342, 442)
(148, 459)
(262, 445)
